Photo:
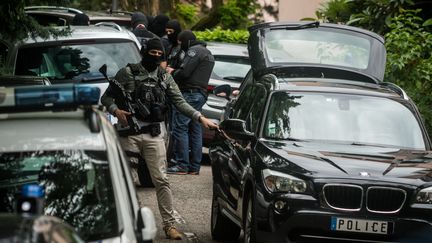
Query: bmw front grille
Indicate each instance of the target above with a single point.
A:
(379, 199)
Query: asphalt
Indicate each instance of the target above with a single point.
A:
(192, 202)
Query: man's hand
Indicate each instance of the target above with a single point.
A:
(207, 123)
(122, 116)
(169, 69)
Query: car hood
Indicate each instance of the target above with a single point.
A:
(327, 46)
(348, 161)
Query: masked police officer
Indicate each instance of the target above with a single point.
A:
(192, 78)
(151, 86)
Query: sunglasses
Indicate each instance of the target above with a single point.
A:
(169, 31)
(155, 53)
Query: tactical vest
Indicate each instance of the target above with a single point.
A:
(149, 95)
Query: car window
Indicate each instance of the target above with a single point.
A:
(342, 118)
(75, 63)
(3, 54)
(256, 109)
(242, 105)
(77, 186)
(316, 46)
(232, 68)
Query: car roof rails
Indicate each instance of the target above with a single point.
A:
(56, 8)
(110, 11)
(109, 24)
(396, 88)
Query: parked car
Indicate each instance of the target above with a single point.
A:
(75, 58)
(63, 16)
(318, 147)
(231, 65)
(56, 138)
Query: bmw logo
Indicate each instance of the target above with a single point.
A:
(363, 173)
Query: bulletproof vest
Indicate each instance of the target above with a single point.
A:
(150, 96)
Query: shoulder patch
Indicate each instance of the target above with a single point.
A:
(191, 53)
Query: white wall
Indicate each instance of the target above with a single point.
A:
(294, 10)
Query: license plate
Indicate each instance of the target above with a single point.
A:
(361, 225)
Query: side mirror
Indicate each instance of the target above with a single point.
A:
(223, 90)
(146, 224)
(236, 129)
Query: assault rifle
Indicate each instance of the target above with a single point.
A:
(124, 101)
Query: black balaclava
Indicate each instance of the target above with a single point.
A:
(175, 25)
(149, 62)
(158, 25)
(186, 37)
(138, 18)
(80, 19)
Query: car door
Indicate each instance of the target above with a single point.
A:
(237, 153)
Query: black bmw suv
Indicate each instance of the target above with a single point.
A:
(318, 147)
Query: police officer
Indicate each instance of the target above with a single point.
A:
(192, 78)
(174, 53)
(151, 86)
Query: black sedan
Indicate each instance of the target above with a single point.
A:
(318, 147)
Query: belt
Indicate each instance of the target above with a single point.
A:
(153, 129)
(195, 90)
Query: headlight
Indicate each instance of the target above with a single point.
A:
(424, 196)
(280, 182)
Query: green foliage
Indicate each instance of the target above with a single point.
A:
(373, 15)
(409, 60)
(187, 13)
(335, 11)
(220, 35)
(234, 14)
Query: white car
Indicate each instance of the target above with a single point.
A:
(56, 137)
(74, 58)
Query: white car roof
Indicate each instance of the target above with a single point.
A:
(90, 32)
(32, 131)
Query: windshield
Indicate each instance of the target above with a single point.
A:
(317, 47)
(342, 118)
(76, 63)
(77, 187)
(231, 68)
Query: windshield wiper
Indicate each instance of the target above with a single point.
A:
(367, 144)
(92, 79)
(234, 78)
(310, 25)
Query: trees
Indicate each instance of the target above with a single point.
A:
(409, 60)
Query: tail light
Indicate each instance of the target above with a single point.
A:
(210, 88)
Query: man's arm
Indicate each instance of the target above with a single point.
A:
(108, 98)
(180, 103)
(190, 63)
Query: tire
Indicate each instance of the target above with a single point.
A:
(144, 174)
(222, 228)
(249, 224)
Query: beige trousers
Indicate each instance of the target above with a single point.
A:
(152, 149)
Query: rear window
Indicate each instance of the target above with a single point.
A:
(77, 62)
(230, 67)
(77, 186)
(316, 46)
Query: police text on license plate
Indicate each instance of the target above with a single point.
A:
(360, 225)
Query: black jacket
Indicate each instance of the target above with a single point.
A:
(197, 66)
